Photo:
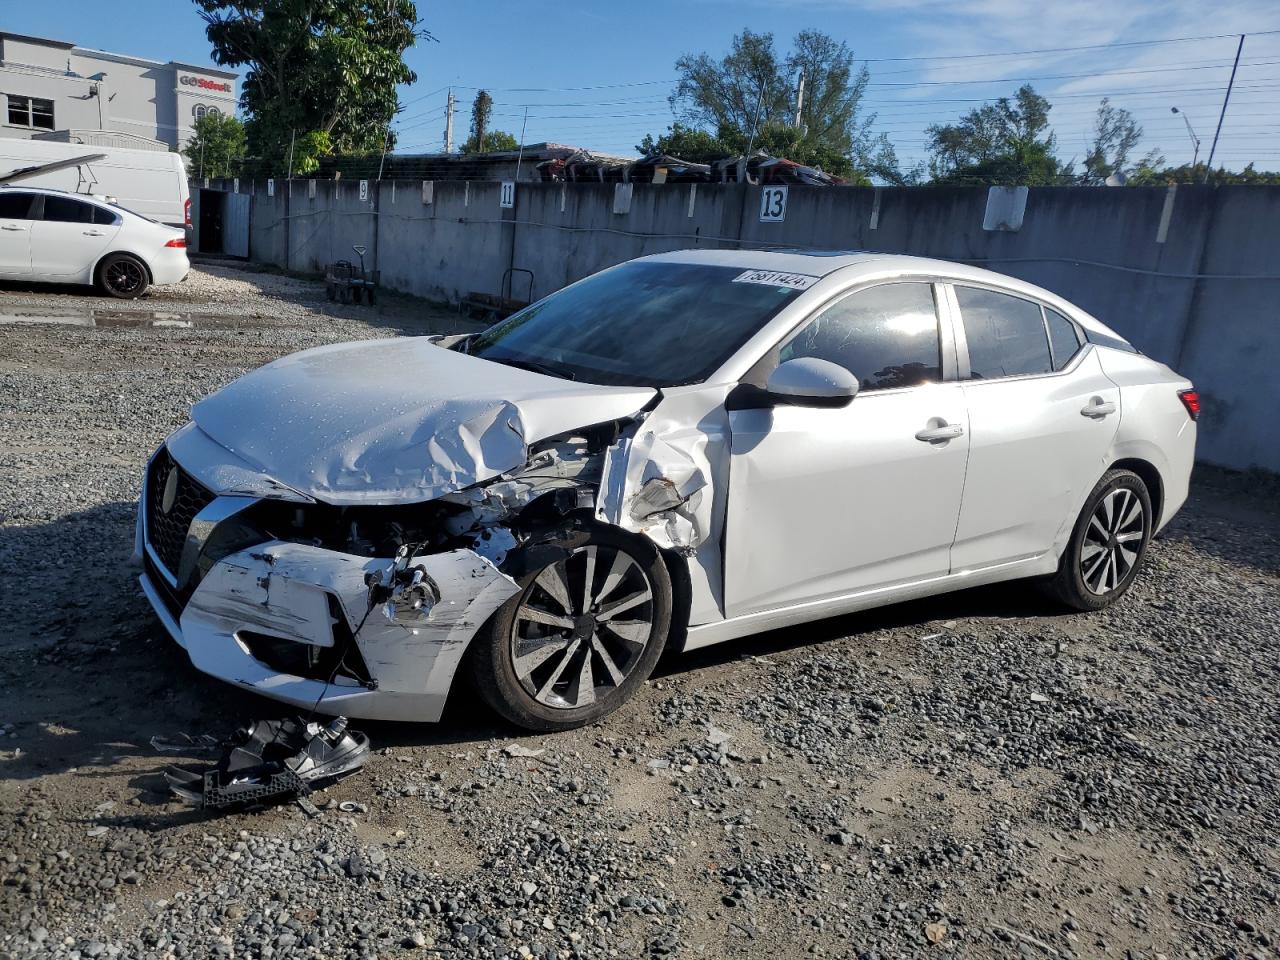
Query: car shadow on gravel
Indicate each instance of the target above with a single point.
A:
(1014, 600)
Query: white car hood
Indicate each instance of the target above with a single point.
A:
(397, 421)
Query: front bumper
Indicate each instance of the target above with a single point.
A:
(290, 593)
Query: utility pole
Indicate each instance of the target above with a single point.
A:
(520, 156)
(1222, 116)
(386, 141)
(448, 123)
(799, 101)
(292, 135)
(755, 123)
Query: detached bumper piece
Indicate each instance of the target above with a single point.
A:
(272, 761)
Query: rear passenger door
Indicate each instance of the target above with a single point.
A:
(70, 236)
(1042, 417)
(15, 233)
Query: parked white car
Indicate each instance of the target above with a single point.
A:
(675, 452)
(59, 237)
(150, 182)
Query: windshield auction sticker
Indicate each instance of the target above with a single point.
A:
(776, 278)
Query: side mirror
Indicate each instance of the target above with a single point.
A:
(811, 382)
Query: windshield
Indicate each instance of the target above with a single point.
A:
(650, 324)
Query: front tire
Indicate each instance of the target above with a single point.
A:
(582, 635)
(1107, 545)
(122, 276)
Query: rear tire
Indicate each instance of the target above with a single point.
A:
(551, 658)
(1107, 545)
(122, 276)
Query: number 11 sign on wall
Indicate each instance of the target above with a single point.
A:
(773, 204)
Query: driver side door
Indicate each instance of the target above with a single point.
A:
(829, 502)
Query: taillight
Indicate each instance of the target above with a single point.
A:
(177, 242)
(186, 211)
(1191, 400)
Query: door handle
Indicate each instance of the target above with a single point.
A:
(941, 434)
(11, 226)
(1097, 408)
(94, 233)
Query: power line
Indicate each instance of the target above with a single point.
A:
(1092, 46)
(1060, 76)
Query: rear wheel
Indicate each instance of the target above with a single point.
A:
(1107, 545)
(122, 276)
(581, 636)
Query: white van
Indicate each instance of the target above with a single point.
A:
(150, 182)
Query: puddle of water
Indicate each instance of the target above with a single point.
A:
(133, 319)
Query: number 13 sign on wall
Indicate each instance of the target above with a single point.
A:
(773, 204)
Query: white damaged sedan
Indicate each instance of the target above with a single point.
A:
(675, 452)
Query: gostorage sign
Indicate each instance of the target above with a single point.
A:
(221, 86)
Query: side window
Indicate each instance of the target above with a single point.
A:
(15, 206)
(1063, 339)
(103, 216)
(1005, 334)
(887, 336)
(66, 210)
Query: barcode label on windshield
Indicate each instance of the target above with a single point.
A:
(776, 278)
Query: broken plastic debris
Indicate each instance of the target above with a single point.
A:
(515, 750)
(407, 593)
(717, 737)
(182, 743)
(270, 761)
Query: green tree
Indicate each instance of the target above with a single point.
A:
(686, 143)
(1006, 142)
(1159, 176)
(481, 110)
(725, 96)
(217, 146)
(1115, 135)
(494, 140)
(320, 73)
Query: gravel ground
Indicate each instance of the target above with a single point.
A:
(976, 775)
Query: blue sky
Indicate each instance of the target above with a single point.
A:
(597, 74)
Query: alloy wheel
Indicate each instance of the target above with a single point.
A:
(124, 276)
(1112, 541)
(582, 626)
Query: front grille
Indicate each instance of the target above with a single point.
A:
(167, 529)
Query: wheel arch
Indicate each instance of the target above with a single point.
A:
(1150, 475)
(127, 253)
(681, 599)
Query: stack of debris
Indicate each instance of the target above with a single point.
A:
(758, 168)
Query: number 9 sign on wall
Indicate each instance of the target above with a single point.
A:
(773, 204)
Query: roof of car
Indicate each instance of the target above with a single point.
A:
(821, 263)
(34, 189)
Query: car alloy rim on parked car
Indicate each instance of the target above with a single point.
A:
(1112, 541)
(582, 626)
(124, 276)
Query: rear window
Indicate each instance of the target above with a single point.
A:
(141, 216)
(642, 324)
(1006, 335)
(1063, 339)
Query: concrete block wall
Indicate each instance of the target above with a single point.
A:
(1191, 276)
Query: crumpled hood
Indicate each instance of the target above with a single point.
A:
(397, 421)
